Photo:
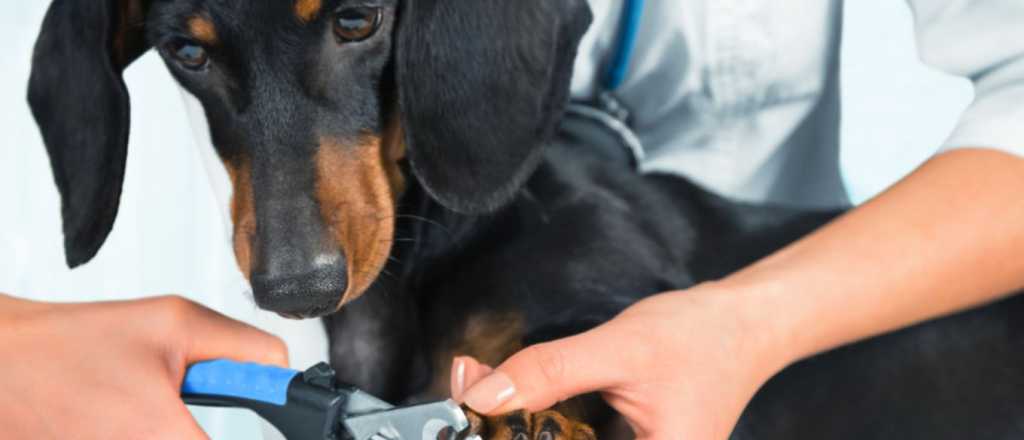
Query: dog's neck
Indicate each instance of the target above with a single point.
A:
(430, 239)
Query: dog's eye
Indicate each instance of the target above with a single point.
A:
(189, 54)
(356, 24)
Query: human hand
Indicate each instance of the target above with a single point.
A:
(677, 365)
(114, 369)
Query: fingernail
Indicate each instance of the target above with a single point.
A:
(458, 379)
(490, 393)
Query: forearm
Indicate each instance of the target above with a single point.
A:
(948, 237)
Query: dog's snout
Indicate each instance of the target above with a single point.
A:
(298, 270)
(305, 291)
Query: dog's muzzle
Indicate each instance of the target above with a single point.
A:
(307, 294)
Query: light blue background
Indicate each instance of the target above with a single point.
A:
(170, 236)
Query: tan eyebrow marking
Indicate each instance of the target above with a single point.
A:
(307, 10)
(202, 29)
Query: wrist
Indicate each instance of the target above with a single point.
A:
(767, 326)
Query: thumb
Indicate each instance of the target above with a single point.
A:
(214, 336)
(200, 333)
(545, 374)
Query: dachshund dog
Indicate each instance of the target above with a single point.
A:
(399, 170)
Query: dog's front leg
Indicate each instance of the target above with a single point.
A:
(374, 344)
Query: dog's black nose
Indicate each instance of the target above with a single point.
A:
(311, 293)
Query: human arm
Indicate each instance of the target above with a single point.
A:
(685, 364)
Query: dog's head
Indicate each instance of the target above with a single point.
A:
(312, 104)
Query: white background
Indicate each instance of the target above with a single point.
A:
(170, 236)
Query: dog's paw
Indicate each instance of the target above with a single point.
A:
(547, 425)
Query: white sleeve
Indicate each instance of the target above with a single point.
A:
(982, 40)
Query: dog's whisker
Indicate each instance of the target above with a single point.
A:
(427, 221)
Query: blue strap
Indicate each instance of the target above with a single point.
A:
(628, 30)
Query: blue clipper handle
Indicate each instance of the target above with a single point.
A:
(302, 405)
(223, 378)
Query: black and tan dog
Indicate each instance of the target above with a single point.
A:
(397, 168)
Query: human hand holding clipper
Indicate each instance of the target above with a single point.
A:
(112, 369)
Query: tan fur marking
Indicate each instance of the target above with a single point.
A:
(393, 149)
(243, 214)
(492, 338)
(307, 10)
(202, 29)
(488, 338)
(357, 188)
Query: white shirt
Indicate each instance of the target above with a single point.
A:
(742, 96)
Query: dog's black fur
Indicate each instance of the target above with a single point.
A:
(501, 214)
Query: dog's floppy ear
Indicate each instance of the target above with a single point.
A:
(482, 84)
(79, 100)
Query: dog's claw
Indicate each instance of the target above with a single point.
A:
(547, 425)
